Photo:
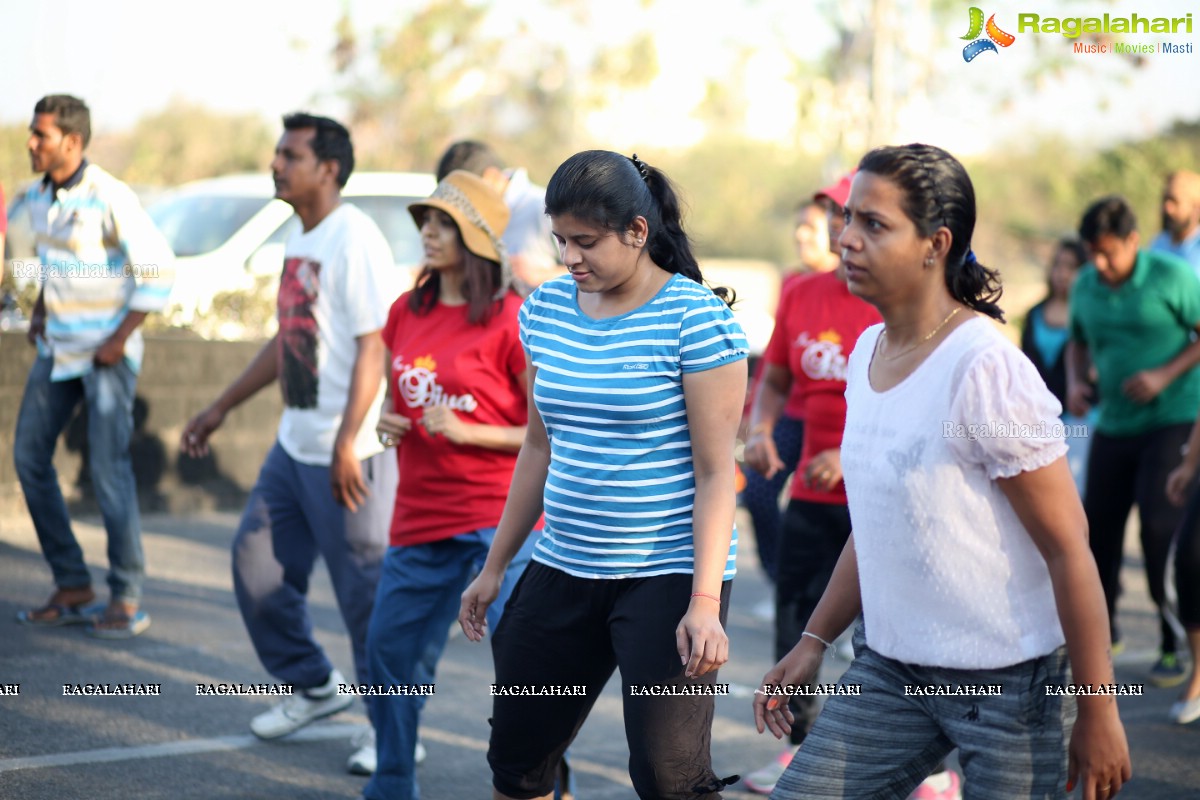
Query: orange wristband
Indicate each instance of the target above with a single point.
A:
(714, 598)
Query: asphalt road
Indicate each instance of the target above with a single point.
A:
(179, 745)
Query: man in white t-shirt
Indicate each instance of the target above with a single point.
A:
(327, 487)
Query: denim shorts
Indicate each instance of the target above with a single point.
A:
(1012, 734)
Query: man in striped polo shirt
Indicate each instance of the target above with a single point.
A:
(103, 267)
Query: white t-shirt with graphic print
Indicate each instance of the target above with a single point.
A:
(338, 282)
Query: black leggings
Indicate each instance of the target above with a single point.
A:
(1187, 563)
(814, 535)
(1123, 470)
(560, 630)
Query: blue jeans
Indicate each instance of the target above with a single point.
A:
(761, 495)
(46, 408)
(1078, 446)
(419, 595)
(290, 519)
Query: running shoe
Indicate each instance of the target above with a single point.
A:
(763, 781)
(928, 789)
(1185, 711)
(364, 760)
(1168, 671)
(302, 708)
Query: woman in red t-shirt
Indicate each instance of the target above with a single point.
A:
(456, 412)
(816, 327)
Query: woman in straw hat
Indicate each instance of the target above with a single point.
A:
(638, 373)
(456, 414)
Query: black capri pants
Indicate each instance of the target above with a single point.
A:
(562, 631)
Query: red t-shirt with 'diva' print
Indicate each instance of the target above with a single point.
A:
(439, 358)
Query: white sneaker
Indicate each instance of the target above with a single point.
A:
(764, 609)
(364, 760)
(302, 708)
(1184, 711)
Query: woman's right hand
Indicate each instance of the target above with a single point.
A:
(797, 668)
(1179, 481)
(761, 455)
(392, 427)
(472, 613)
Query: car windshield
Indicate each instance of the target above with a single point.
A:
(198, 224)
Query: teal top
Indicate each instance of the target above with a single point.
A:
(1141, 324)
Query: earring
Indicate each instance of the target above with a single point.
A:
(929, 261)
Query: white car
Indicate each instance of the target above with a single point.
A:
(228, 236)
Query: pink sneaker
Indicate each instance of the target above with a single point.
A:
(762, 781)
(926, 791)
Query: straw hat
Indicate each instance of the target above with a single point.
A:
(475, 207)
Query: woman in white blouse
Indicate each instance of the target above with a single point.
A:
(982, 609)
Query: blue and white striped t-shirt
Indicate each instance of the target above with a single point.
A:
(101, 258)
(620, 489)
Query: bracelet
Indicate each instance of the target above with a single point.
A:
(712, 597)
(828, 646)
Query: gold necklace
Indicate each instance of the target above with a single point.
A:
(928, 336)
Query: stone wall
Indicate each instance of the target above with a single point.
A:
(179, 377)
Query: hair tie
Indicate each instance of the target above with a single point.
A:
(969, 259)
(642, 169)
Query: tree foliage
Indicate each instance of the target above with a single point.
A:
(444, 74)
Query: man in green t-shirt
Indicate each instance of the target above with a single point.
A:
(1134, 315)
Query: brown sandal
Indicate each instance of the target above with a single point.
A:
(56, 613)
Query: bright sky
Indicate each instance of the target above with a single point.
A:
(130, 57)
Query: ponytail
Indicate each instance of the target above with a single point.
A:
(975, 286)
(610, 190)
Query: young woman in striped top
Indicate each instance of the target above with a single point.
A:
(638, 376)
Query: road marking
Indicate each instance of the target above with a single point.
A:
(219, 744)
(186, 747)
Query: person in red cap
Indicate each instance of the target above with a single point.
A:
(815, 253)
(833, 199)
(803, 384)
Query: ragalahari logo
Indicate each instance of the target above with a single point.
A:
(995, 36)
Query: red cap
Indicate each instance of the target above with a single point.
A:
(838, 192)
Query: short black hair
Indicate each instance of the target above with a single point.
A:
(331, 141)
(71, 114)
(475, 157)
(1108, 215)
(1075, 247)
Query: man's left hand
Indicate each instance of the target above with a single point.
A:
(346, 480)
(109, 353)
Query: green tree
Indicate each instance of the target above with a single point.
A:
(443, 75)
(185, 142)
